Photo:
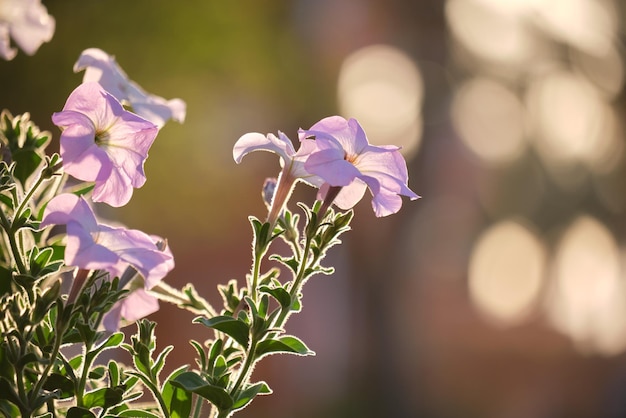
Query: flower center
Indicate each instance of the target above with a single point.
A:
(350, 158)
(102, 138)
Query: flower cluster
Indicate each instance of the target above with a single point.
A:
(50, 235)
(335, 156)
(103, 143)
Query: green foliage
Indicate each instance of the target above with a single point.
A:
(22, 143)
(38, 316)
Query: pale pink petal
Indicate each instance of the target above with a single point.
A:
(32, 26)
(330, 165)
(82, 158)
(103, 142)
(138, 304)
(83, 251)
(348, 134)
(350, 195)
(6, 51)
(138, 250)
(66, 208)
(115, 189)
(158, 110)
(102, 68)
(255, 141)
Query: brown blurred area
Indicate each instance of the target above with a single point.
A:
(500, 294)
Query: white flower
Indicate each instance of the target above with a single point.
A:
(103, 69)
(27, 22)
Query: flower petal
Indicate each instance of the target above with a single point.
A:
(6, 51)
(137, 249)
(32, 26)
(102, 68)
(66, 208)
(348, 196)
(255, 141)
(136, 305)
(84, 252)
(82, 158)
(348, 134)
(330, 165)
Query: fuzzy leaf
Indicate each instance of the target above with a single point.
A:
(191, 382)
(77, 412)
(286, 344)
(178, 400)
(246, 396)
(279, 293)
(236, 329)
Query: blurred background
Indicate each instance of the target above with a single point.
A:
(500, 294)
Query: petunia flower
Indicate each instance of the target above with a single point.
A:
(102, 68)
(292, 164)
(95, 246)
(27, 22)
(344, 158)
(104, 143)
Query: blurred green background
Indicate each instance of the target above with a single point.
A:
(501, 293)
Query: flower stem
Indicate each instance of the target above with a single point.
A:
(29, 195)
(77, 285)
(60, 328)
(284, 188)
(198, 407)
(17, 256)
(256, 271)
(244, 373)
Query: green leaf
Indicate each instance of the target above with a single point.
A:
(216, 349)
(177, 400)
(103, 397)
(191, 382)
(246, 396)
(160, 361)
(77, 412)
(59, 382)
(286, 344)
(290, 262)
(234, 328)
(5, 280)
(220, 367)
(97, 373)
(7, 391)
(278, 293)
(137, 413)
(202, 358)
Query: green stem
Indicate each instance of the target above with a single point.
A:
(29, 194)
(245, 371)
(223, 414)
(198, 407)
(256, 271)
(297, 284)
(147, 380)
(82, 383)
(59, 331)
(8, 227)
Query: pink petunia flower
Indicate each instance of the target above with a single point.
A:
(27, 22)
(103, 143)
(343, 157)
(292, 164)
(102, 68)
(95, 246)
